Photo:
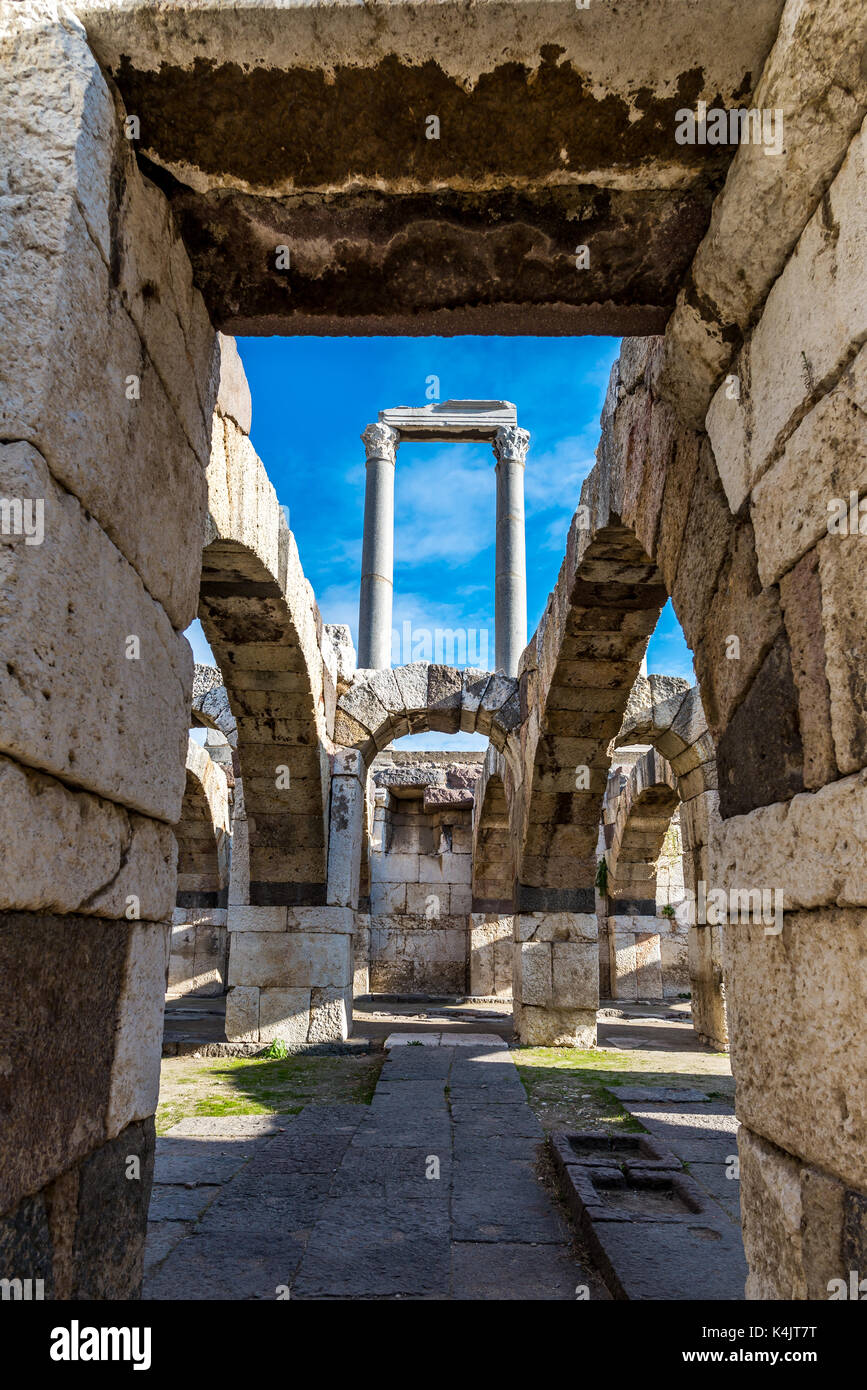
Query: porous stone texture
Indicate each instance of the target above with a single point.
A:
(93, 989)
(811, 848)
(290, 974)
(262, 622)
(555, 978)
(380, 706)
(801, 1226)
(794, 1004)
(68, 851)
(89, 612)
(107, 398)
(93, 331)
(491, 955)
(814, 74)
(111, 372)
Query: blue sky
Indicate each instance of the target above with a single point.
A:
(312, 397)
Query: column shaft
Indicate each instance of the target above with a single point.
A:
(510, 447)
(377, 560)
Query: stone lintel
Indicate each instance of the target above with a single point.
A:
(451, 419)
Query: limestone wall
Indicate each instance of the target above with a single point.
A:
(647, 949)
(420, 866)
(107, 397)
(790, 440)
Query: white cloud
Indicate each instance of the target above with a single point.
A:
(554, 477)
(444, 504)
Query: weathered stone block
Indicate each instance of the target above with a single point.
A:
(813, 848)
(284, 1014)
(135, 1073)
(233, 390)
(841, 572)
(801, 598)
(255, 919)
(795, 1005)
(60, 1022)
(705, 543)
(533, 968)
(74, 342)
(556, 1027)
(345, 838)
(111, 1222)
(740, 609)
(556, 926)
(330, 1015)
(340, 920)
(771, 1218)
(794, 349)
(68, 851)
(824, 459)
(242, 1012)
(88, 611)
(760, 755)
(575, 975)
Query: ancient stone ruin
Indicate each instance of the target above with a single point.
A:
(295, 861)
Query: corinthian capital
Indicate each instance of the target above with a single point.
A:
(512, 443)
(380, 441)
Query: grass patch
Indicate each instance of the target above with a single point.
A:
(567, 1088)
(261, 1085)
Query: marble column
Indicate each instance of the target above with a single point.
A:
(510, 447)
(377, 560)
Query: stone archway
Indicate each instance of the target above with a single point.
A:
(290, 944)
(676, 727)
(763, 358)
(493, 883)
(199, 948)
(648, 954)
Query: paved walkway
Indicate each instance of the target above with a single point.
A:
(430, 1192)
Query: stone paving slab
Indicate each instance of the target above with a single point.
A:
(204, 1168)
(162, 1237)
(365, 1248)
(690, 1254)
(505, 1209)
(171, 1202)
(410, 1062)
(477, 1148)
(517, 1121)
(224, 1266)
(428, 1193)
(445, 1039)
(501, 1270)
(674, 1262)
(713, 1177)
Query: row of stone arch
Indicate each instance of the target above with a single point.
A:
(552, 729)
